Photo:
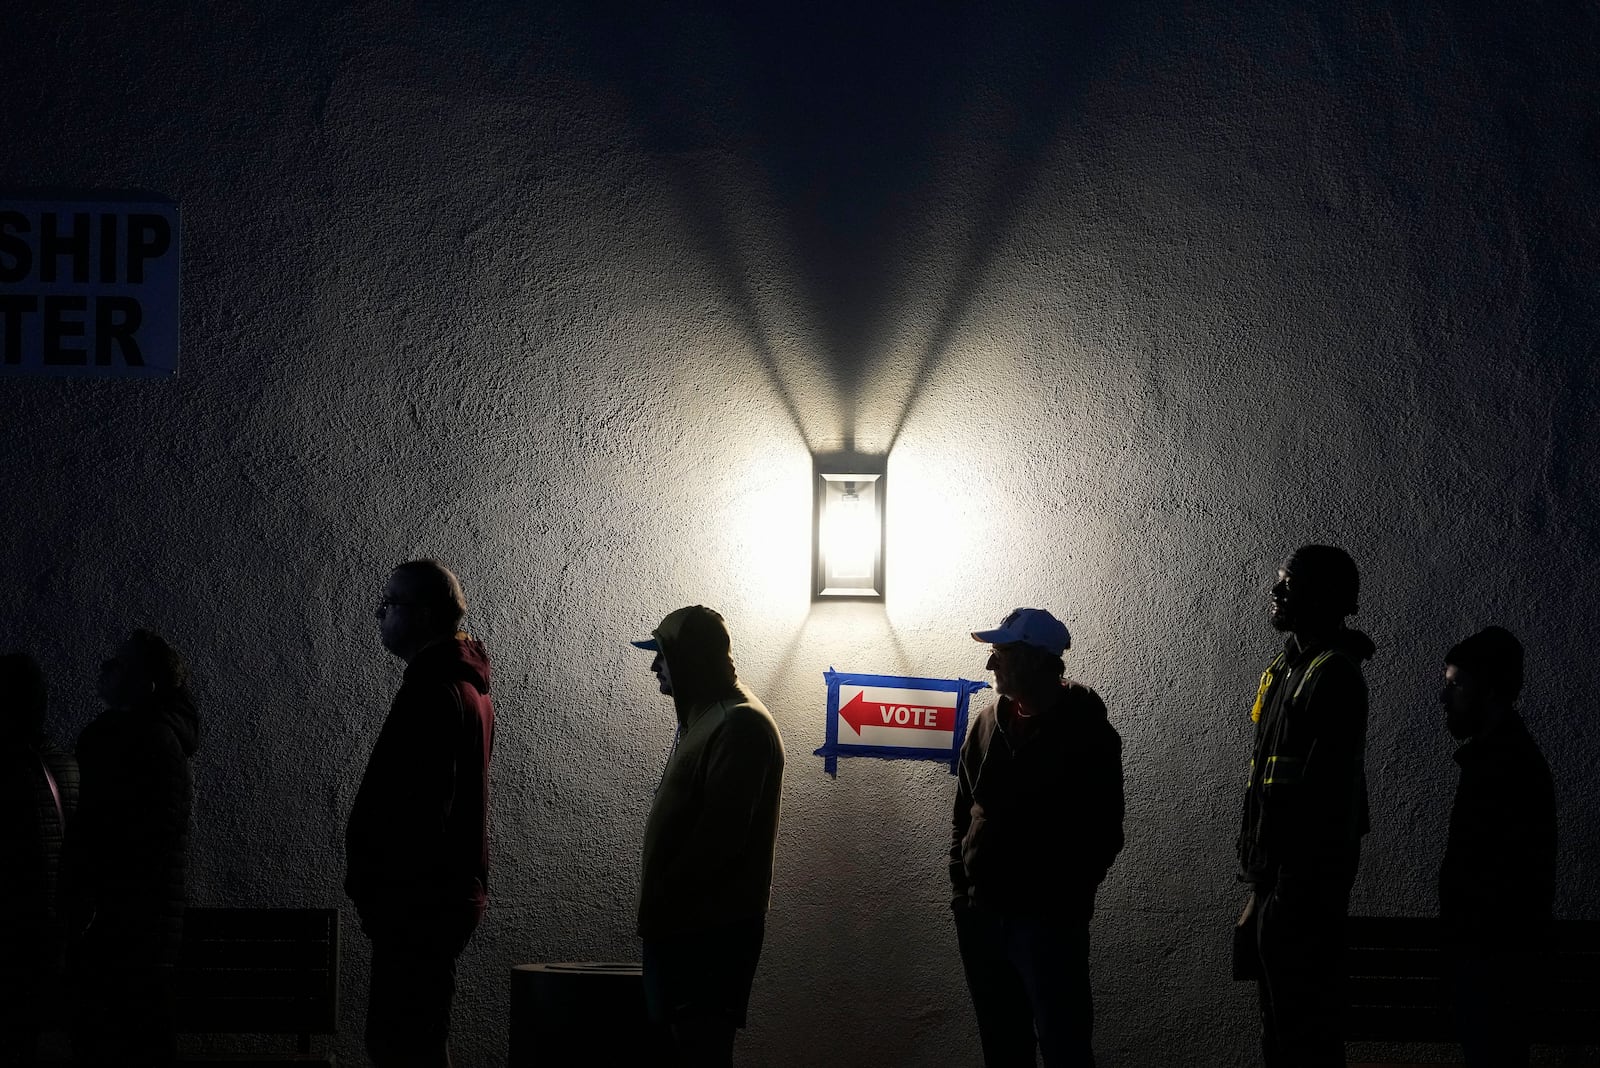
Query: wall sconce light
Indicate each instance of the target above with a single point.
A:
(847, 527)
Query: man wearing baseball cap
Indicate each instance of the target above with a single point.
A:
(1037, 824)
(709, 841)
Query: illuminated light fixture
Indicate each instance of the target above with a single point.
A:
(847, 528)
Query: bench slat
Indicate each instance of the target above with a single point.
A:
(202, 923)
(254, 1015)
(1373, 1023)
(1395, 993)
(1394, 962)
(259, 971)
(277, 953)
(1399, 989)
(242, 983)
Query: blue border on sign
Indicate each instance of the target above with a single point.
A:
(832, 749)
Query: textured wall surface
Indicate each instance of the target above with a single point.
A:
(1135, 300)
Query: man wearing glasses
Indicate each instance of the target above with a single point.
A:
(1038, 821)
(417, 852)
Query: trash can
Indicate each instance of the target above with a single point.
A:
(578, 1015)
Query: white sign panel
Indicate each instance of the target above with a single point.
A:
(894, 717)
(89, 287)
(888, 716)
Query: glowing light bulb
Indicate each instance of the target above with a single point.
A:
(850, 536)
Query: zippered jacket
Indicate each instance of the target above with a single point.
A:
(1305, 803)
(1038, 809)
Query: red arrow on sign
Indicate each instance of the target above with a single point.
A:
(859, 712)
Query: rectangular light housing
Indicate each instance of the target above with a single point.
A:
(847, 532)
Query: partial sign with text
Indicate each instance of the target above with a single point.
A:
(89, 286)
(895, 717)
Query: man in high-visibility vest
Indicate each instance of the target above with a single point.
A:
(1305, 810)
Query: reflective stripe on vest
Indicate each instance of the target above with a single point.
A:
(1316, 662)
(1283, 769)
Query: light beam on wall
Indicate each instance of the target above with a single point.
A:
(847, 526)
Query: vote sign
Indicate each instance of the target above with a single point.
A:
(895, 717)
(89, 286)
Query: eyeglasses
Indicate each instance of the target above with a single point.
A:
(388, 603)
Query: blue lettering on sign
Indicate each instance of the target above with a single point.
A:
(886, 706)
(89, 286)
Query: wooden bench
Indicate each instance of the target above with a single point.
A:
(1399, 989)
(245, 978)
(259, 972)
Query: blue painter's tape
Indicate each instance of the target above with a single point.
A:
(832, 749)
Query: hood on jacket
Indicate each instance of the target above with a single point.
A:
(695, 644)
(179, 712)
(462, 658)
(1355, 643)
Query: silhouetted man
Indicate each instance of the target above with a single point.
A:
(1305, 808)
(417, 847)
(38, 794)
(1037, 823)
(1497, 885)
(708, 843)
(126, 856)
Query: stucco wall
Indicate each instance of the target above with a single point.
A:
(1139, 299)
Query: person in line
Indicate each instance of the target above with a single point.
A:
(709, 842)
(1498, 881)
(38, 795)
(126, 854)
(1037, 824)
(417, 844)
(1305, 810)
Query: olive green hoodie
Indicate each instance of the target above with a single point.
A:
(709, 841)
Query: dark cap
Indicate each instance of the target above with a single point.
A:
(1327, 576)
(1493, 655)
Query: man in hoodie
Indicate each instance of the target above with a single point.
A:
(417, 847)
(709, 841)
(1498, 883)
(1037, 823)
(1305, 809)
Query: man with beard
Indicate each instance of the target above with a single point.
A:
(1037, 823)
(1497, 884)
(1305, 810)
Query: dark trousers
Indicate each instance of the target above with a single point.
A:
(120, 978)
(1029, 979)
(30, 984)
(123, 1016)
(697, 989)
(1490, 990)
(1300, 934)
(413, 984)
